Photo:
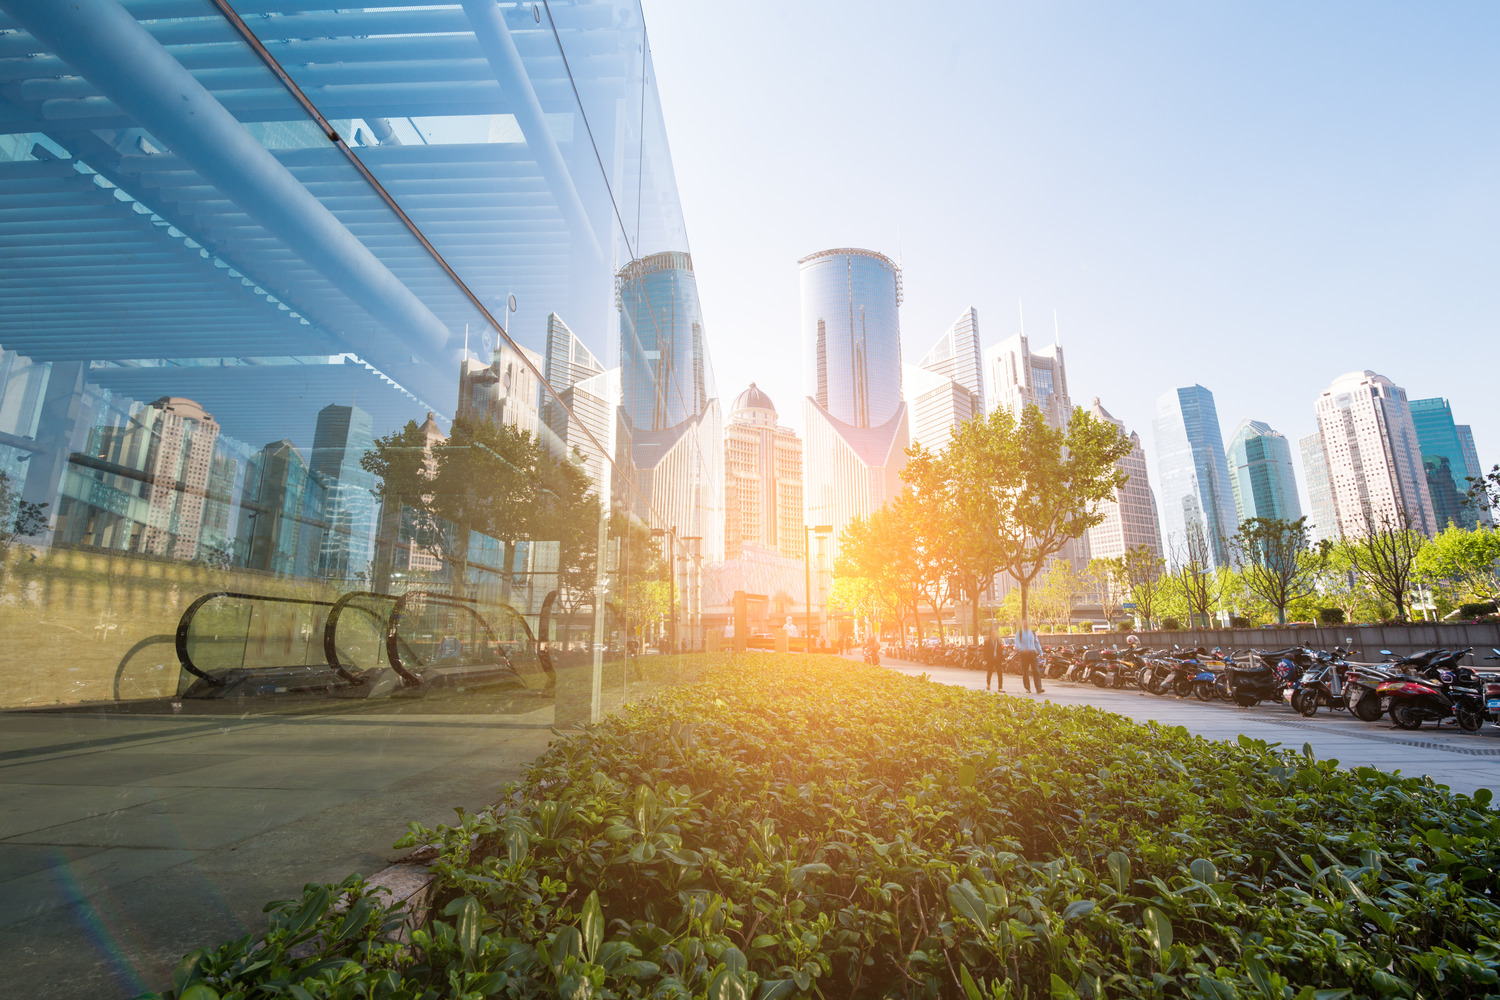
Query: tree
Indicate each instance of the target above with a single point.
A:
(1025, 489)
(1275, 562)
(1145, 578)
(963, 549)
(1484, 491)
(872, 551)
(1110, 581)
(1384, 558)
(1465, 560)
(1195, 575)
(403, 469)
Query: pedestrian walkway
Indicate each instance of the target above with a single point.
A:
(129, 838)
(1462, 761)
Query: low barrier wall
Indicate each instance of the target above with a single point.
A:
(1366, 640)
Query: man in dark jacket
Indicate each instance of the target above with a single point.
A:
(993, 654)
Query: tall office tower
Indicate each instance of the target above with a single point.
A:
(762, 479)
(1016, 377)
(670, 436)
(594, 402)
(1130, 519)
(342, 436)
(856, 421)
(281, 513)
(1197, 501)
(1261, 473)
(503, 391)
(567, 362)
(142, 486)
(23, 384)
(1323, 522)
(1445, 462)
(936, 404)
(957, 356)
(1473, 469)
(1372, 457)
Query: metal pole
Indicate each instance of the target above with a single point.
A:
(807, 583)
(672, 589)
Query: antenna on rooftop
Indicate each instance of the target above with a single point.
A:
(1022, 310)
(1056, 330)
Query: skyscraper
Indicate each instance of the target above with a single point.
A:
(1016, 377)
(504, 391)
(1323, 522)
(1197, 501)
(1474, 469)
(567, 362)
(281, 513)
(957, 355)
(936, 404)
(762, 479)
(1130, 519)
(857, 424)
(1445, 462)
(342, 437)
(1372, 457)
(1261, 473)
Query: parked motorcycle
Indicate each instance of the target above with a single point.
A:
(1267, 675)
(1321, 684)
(1440, 694)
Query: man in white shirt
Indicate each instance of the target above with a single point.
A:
(1029, 657)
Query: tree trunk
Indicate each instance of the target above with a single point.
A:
(1025, 603)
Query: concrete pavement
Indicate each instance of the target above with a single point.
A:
(1464, 762)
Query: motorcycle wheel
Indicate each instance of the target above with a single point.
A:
(1101, 680)
(1203, 690)
(1405, 715)
(1305, 703)
(1366, 708)
(1246, 700)
(1470, 720)
(1144, 679)
(1182, 687)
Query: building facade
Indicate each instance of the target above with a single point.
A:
(762, 480)
(1446, 463)
(1017, 377)
(957, 355)
(1262, 474)
(503, 391)
(1130, 519)
(857, 424)
(937, 405)
(1323, 519)
(1372, 456)
(1192, 476)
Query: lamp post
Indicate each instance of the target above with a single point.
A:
(671, 584)
(807, 532)
(694, 592)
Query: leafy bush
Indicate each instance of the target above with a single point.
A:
(1170, 624)
(1331, 616)
(1477, 609)
(1237, 621)
(808, 826)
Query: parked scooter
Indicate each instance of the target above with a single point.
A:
(1321, 684)
(1267, 676)
(1447, 691)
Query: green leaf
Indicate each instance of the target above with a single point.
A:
(1119, 870)
(764, 941)
(591, 926)
(1204, 871)
(966, 776)
(199, 991)
(968, 904)
(1158, 928)
(1331, 994)
(188, 970)
(775, 989)
(1078, 908)
(467, 927)
(1482, 797)
(971, 990)
(1210, 988)
(1061, 990)
(727, 985)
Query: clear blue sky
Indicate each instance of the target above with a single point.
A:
(1256, 197)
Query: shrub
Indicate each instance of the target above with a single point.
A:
(1235, 621)
(1331, 616)
(1477, 609)
(1170, 624)
(807, 826)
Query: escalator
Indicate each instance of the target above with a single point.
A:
(364, 645)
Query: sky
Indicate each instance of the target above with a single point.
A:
(1253, 197)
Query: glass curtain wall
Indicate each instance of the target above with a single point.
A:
(311, 398)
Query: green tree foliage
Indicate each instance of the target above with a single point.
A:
(1465, 561)
(1276, 564)
(1026, 489)
(1109, 582)
(1385, 558)
(18, 518)
(1145, 575)
(1196, 580)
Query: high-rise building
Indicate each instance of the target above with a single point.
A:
(567, 362)
(1373, 460)
(1445, 462)
(1197, 501)
(342, 437)
(1261, 473)
(1473, 469)
(957, 355)
(762, 479)
(1017, 377)
(670, 431)
(281, 513)
(1323, 521)
(936, 404)
(594, 402)
(1130, 519)
(857, 423)
(504, 391)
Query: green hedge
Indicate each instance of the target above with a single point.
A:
(794, 826)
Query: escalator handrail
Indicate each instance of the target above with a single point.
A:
(330, 648)
(393, 624)
(185, 622)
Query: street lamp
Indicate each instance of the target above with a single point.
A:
(695, 589)
(808, 531)
(671, 584)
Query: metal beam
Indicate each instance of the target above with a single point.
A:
(500, 49)
(107, 46)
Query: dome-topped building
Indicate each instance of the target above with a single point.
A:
(762, 479)
(753, 406)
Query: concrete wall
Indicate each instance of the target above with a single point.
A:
(1368, 640)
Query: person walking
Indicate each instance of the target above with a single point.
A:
(993, 654)
(1029, 656)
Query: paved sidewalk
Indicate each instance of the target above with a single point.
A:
(129, 839)
(1462, 761)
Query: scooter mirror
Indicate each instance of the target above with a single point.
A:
(1386, 652)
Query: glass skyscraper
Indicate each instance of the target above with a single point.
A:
(1262, 473)
(1445, 462)
(1197, 500)
(852, 334)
